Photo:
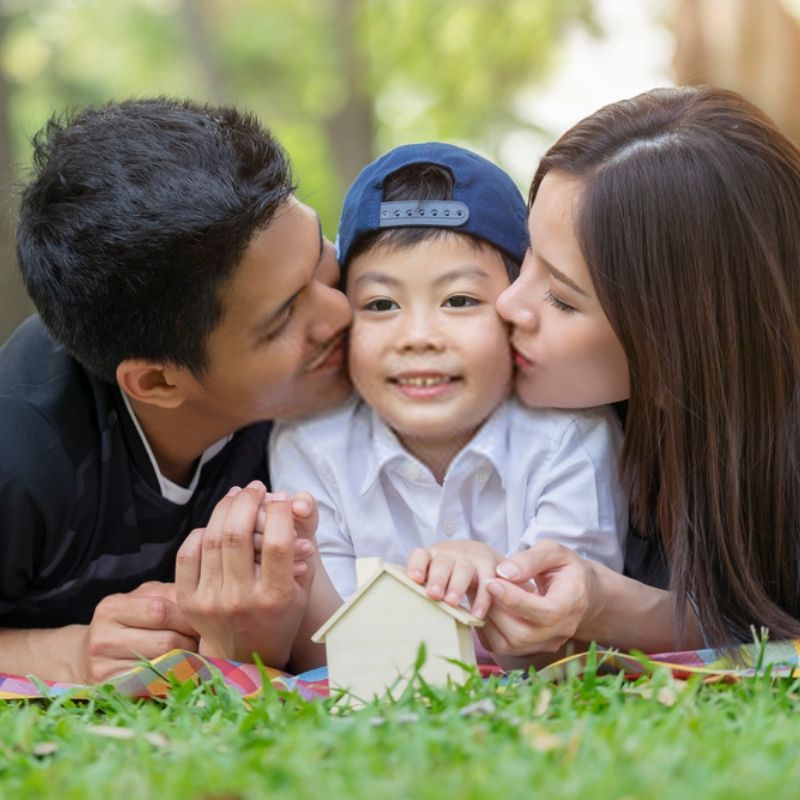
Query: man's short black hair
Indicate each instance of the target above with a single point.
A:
(136, 216)
(421, 182)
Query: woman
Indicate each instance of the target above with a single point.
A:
(665, 270)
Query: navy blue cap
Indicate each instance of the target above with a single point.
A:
(486, 202)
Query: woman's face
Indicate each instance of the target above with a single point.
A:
(566, 354)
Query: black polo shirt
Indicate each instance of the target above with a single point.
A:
(81, 515)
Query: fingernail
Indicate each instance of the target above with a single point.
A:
(452, 599)
(508, 569)
(305, 547)
(256, 485)
(301, 507)
(479, 612)
(495, 588)
(233, 491)
(416, 576)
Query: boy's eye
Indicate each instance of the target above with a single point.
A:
(559, 304)
(460, 301)
(381, 304)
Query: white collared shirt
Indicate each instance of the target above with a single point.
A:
(527, 474)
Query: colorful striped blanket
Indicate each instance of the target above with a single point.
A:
(781, 659)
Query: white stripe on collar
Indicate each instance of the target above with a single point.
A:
(180, 495)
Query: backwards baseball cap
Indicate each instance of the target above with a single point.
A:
(486, 203)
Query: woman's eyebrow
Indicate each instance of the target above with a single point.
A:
(560, 276)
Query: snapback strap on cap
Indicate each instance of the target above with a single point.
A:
(428, 213)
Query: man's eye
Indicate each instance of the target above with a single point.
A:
(461, 301)
(275, 333)
(381, 304)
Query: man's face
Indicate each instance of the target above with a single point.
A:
(279, 349)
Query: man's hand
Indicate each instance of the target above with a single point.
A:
(242, 605)
(125, 628)
(451, 569)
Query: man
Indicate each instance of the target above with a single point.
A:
(185, 297)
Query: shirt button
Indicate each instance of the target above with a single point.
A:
(482, 475)
(413, 473)
(449, 528)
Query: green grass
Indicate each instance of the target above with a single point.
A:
(590, 737)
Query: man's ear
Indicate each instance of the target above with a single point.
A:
(150, 382)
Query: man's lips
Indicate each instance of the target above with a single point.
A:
(332, 357)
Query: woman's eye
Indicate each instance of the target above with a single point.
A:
(381, 304)
(559, 304)
(460, 301)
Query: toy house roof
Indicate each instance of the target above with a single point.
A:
(398, 573)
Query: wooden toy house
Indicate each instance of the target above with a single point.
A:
(372, 641)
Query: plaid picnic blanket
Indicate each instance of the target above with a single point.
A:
(782, 659)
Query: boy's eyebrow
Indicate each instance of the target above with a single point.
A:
(474, 273)
(376, 277)
(560, 276)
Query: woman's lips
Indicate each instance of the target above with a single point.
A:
(521, 361)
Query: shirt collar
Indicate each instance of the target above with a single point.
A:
(180, 495)
(489, 443)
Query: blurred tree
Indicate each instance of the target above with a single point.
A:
(337, 80)
(751, 47)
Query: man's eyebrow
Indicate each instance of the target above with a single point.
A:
(267, 322)
(560, 276)
(321, 240)
(469, 273)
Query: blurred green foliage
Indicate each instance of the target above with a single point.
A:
(338, 81)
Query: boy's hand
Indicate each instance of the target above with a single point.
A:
(238, 605)
(451, 569)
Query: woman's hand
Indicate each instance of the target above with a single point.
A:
(542, 597)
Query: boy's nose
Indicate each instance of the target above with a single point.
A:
(421, 334)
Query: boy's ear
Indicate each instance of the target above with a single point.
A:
(150, 382)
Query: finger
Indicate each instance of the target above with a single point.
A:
(151, 624)
(418, 561)
(537, 610)
(306, 514)
(483, 600)
(277, 552)
(439, 572)
(210, 578)
(527, 564)
(462, 576)
(187, 567)
(237, 536)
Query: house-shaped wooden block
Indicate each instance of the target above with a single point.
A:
(374, 637)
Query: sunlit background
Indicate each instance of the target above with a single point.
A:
(339, 81)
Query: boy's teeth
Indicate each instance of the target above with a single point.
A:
(428, 380)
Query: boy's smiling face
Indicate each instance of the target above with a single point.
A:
(427, 349)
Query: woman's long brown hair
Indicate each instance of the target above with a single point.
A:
(690, 226)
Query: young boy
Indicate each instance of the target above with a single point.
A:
(432, 461)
